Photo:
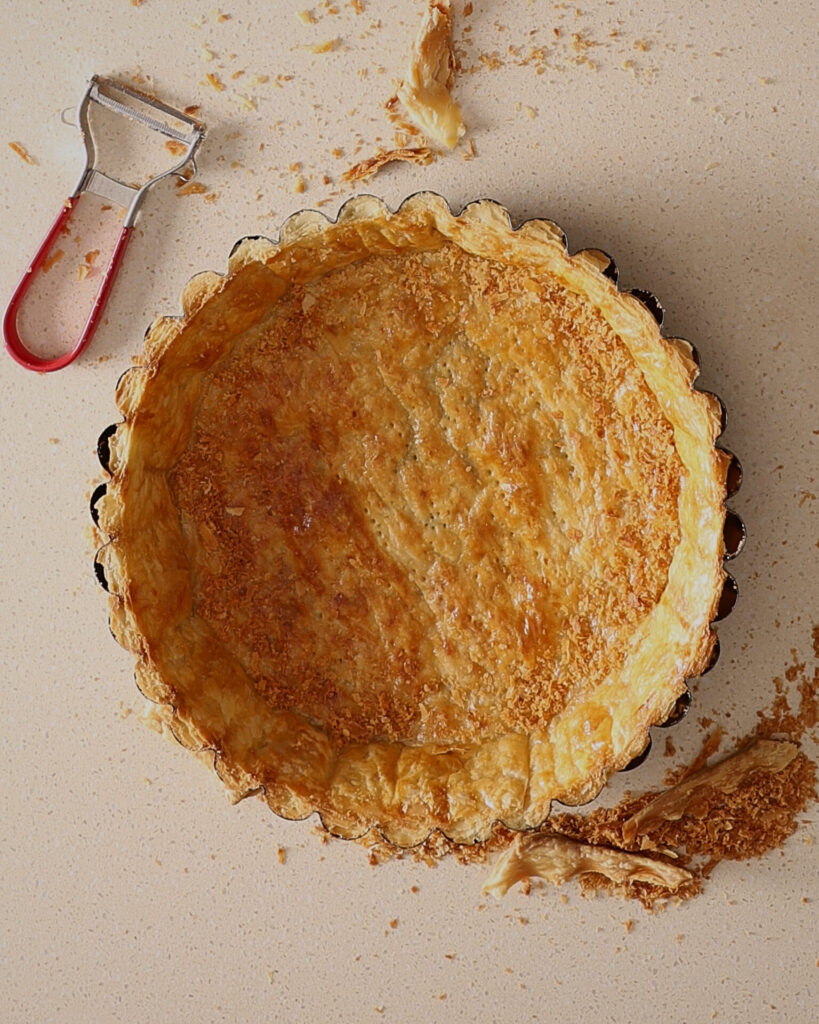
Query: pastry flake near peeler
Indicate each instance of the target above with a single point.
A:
(150, 113)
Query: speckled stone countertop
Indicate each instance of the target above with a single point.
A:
(676, 137)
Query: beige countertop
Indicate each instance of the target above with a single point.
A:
(684, 146)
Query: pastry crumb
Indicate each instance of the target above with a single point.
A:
(191, 188)
(216, 82)
(281, 855)
(87, 264)
(23, 153)
(368, 168)
(326, 47)
(51, 260)
(176, 148)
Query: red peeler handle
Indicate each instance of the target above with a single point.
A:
(17, 350)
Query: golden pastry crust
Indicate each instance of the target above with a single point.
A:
(416, 521)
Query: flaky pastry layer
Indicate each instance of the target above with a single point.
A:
(416, 521)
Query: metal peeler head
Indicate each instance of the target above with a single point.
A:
(148, 112)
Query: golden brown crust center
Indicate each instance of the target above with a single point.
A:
(428, 499)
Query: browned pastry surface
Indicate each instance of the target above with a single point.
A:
(427, 498)
(416, 520)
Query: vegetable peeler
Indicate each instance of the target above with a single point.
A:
(152, 114)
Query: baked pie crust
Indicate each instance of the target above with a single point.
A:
(415, 520)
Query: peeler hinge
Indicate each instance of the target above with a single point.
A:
(109, 188)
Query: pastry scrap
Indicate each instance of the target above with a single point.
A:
(326, 47)
(725, 777)
(191, 188)
(416, 521)
(426, 91)
(558, 860)
(84, 269)
(22, 152)
(742, 807)
(368, 168)
(52, 259)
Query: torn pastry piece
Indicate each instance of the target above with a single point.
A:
(368, 168)
(761, 755)
(558, 860)
(426, 91)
